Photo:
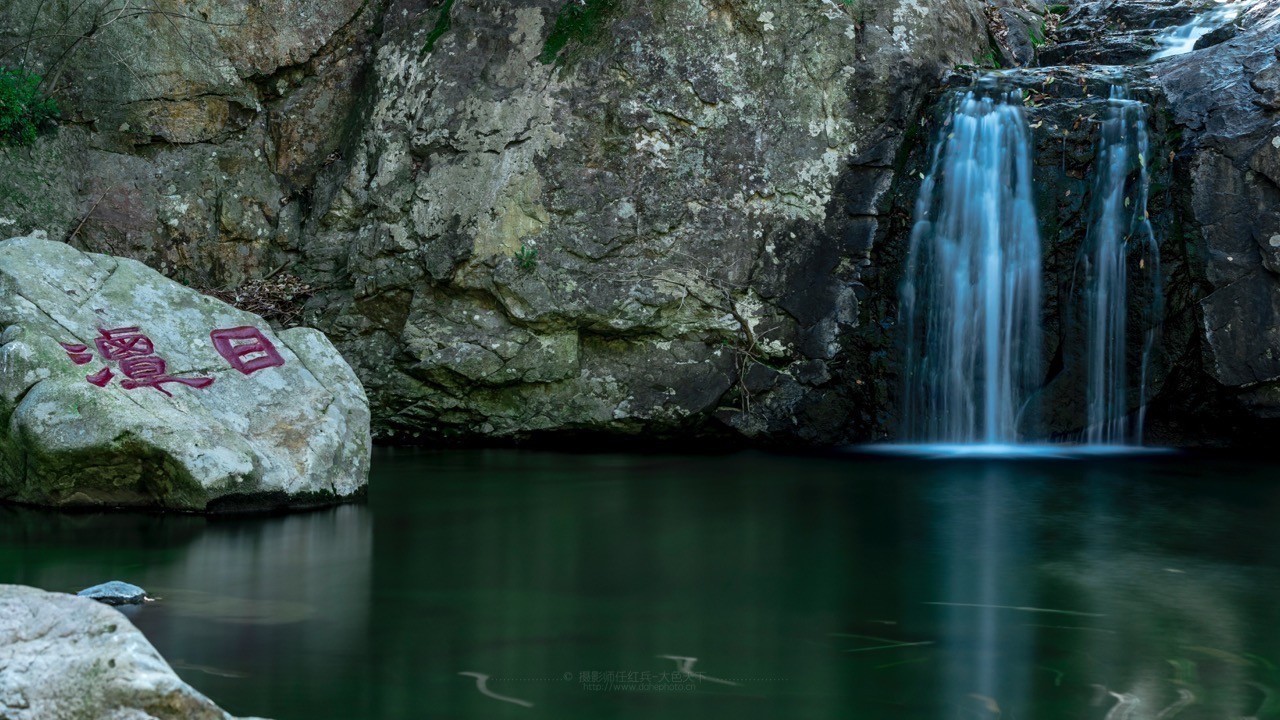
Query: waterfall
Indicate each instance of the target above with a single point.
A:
(1119, 244)
(971, 296)
(1183, 38)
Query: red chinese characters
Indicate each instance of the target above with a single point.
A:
(102, 378)
(79, 354)
(123, 343)
(246, 349)
(135, 356)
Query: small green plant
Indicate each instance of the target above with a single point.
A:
(24, 109)
(989, 60)
(1039, 37)
(443, 23)
(527, 257)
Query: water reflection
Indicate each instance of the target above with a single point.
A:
(1180, 633)
(759, 586)
(1106, 598)
(983, 532)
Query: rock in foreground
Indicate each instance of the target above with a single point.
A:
(69, 658)
(120, 387)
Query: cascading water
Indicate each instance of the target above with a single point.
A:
(1183, 38)
(971, 297)
(1120, 245)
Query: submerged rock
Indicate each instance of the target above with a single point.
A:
(120, 387)
(69, 658)
(115, 593)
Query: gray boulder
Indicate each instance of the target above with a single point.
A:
(120, 387)
(69, 658)
(115, 593)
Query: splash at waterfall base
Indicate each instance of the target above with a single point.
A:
(1065, 111)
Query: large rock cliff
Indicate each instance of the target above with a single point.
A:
(681, 218)
(666, 219)
(1225, 100)
(604, 215)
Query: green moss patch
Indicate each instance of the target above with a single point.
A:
(579, 21)
(444, 22)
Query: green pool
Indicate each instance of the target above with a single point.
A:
(496, 584)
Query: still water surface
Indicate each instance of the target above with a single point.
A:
(838, 587)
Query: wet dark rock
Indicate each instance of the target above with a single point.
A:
(1105, 32)
(1122, 49)
(1217, 37)
(1227, 170)
(1267, 84)
(1097, 17)
(115, 592)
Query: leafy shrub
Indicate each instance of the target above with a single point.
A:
(23, 108)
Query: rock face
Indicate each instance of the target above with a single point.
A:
(1229, 169)
(120, 387)
(188, 126)
(69, 658)
(681, 218)
(553, 215)
(636, 232)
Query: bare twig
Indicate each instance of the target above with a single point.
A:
(89, 214)
(103, 16)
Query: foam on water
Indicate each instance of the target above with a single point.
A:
(1007, 451)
